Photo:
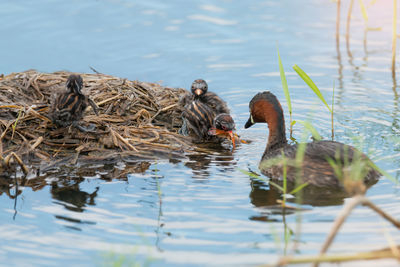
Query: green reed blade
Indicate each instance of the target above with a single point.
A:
(310, 128)
(253, 175)
(277, 186)
(311, 84)
(297, 189)
(374, 29)
(363, 10)
(383, 172)
(333, 106)
(284, 178)
(284, 82)
(337, 167)
(333, 96)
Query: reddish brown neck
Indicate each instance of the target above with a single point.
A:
(272, 114)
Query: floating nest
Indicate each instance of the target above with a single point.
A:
(137, 120)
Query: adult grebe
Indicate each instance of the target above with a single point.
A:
(315, 169)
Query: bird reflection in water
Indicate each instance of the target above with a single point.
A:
(71, 196)
(266, 198)
(200, 163)
(110, 172)
(68, 194)
(8, 186)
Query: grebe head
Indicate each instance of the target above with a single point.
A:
(265, 108)
(75, 84)
(199, 88)
(224, 122)
(223, 126)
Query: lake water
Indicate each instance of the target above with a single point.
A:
(202, 210)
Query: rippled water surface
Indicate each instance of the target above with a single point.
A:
(201, 210)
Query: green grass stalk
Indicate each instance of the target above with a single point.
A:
(363, 11)
(284, 179)
(287, 231)
(333, 111)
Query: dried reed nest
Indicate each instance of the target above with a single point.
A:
(137, 120)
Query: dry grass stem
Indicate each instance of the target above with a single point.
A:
(337, 258)
(354, 202)
(391, 252)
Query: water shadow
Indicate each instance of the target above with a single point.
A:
(212, 155)
(266, 196)
(70, 195)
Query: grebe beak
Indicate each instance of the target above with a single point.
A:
(250, 122)
(198, 92)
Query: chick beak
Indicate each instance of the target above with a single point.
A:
(230, 134)
(198, 92)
